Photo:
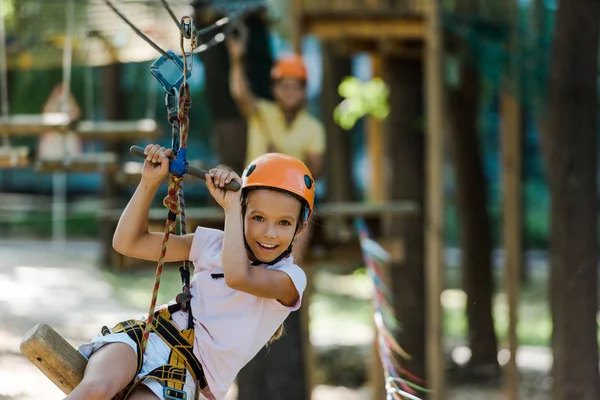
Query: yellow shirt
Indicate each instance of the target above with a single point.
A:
(304, 136)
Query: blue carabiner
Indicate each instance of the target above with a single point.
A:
(169, 74)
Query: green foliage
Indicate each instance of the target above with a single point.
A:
(360, 99)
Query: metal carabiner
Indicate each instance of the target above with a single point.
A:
(169, 74)
(189, 29)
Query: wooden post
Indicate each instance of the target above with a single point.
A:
(434, 204)
(54, 356)
(511, 172)
(375, 146)
(510, 110)
(297, 26)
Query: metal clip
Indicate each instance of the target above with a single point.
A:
(169, 74)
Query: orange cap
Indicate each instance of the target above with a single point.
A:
(283, 172)
(289, 67)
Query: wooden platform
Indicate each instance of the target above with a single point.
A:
(14, 157)
(85, 163)
(118, 130)
(35, 124)
(38, 124)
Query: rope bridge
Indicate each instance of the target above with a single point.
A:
(399, 383)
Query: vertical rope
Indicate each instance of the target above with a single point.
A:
(185, 102)
(174, 202)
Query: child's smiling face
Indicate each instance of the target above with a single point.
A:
(270, 222)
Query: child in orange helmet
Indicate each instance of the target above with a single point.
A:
(284, 125)
(245, 284)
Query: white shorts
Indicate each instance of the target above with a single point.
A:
(157, 354)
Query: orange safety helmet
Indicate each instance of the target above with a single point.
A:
(281, 172)
(289, 67)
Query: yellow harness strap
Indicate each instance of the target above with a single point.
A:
(182, 357)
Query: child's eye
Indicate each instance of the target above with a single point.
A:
(257, 218)
(285, 222)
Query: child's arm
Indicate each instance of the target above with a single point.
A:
(238, 84)
(239, 274)
(131, 237)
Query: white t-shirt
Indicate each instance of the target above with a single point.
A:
(230, 326)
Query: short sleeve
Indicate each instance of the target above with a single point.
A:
(317, 140)
(298, 277)
(205, 240)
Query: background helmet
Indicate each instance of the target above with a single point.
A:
(289, 67)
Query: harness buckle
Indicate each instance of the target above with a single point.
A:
(174, 394)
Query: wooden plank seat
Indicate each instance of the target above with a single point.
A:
(14, 157)
(54, 357)
(35, 124)
(104, 162)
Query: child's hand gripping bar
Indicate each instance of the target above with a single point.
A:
(197, 172)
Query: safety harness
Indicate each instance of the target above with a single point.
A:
(181, 358)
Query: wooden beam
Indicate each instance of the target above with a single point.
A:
(54, 356)
(511, 230)
(355, 28)
(434, 232)
(400, 48)
(85, 163)
(35, 124)
(325, 210)
(385, 47)
(297, 28)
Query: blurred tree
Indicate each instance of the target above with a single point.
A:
(340, 186)
(570, 144)
(406, 152)
(472, 201)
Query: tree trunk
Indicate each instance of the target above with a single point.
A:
(474, 225)
(405, 143)
(339, 149)
(113, 111)
(571, 150)
(277, 372)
